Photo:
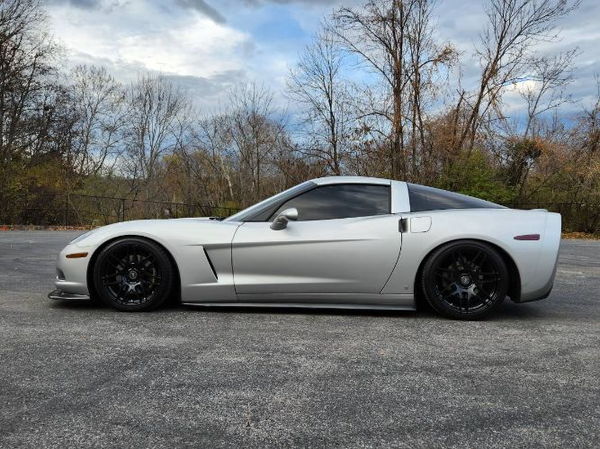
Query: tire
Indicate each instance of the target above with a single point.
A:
(465, 280)
(133, 275)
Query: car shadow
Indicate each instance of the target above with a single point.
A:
(508, 311)
(511, 311)
(296, 310)
(82, 304)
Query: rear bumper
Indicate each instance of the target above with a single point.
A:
(59, 295)
(536, 296)
(549, 255)
(542, 293)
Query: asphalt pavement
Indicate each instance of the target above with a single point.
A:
(85, 376)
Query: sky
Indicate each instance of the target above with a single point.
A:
(208, 46)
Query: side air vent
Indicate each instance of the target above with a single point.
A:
(212, 267)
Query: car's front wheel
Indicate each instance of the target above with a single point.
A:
(465, 280)
(133, 274)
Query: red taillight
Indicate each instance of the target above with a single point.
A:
(527, 237)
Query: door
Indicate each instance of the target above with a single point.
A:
(345, 241)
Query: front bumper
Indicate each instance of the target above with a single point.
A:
(59, 295)
(72, 273)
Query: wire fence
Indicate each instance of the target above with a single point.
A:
(96, 210)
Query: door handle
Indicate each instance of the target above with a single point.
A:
(403, 225)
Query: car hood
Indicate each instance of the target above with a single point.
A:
(178, 230)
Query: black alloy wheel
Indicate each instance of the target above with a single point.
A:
(465, 280)
(133, 274)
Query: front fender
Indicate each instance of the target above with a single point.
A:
(200, 248)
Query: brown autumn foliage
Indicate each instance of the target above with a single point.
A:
(82, 148)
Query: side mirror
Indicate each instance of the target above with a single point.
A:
(281, 221)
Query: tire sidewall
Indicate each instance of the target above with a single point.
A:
(165, 268)
(439, 305)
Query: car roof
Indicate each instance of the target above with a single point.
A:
(350, 180)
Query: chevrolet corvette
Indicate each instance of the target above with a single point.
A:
(334, 242)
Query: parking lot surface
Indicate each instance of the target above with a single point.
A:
(81, 375)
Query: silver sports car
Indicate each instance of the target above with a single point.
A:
(335, 242)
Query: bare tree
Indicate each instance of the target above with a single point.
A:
(26, 56)
(98, 101)
(317, 85)
(514, 27)
(255, 133)
(29, 95)
(393, 38)
(214, 136)
(206, 163)
(545, 91)
(158, 116)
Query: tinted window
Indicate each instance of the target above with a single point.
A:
(263, 210)
(424, 198)
(340, 201)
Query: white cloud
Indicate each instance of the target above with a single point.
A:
(143, 35)
(211, 44)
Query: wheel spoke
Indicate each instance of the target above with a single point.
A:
(467, 278)
(130, 274)
(479, 258)
(111, 283)
(441, 271)
(456, 258)
(489, 280)
(446, 288)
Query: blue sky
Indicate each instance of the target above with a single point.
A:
(207, 46)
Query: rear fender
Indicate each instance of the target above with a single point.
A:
(534, 259)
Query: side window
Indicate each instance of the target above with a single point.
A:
(340, 201)
(423, 198)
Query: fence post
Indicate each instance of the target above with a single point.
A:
(122, 209)
(67, 209)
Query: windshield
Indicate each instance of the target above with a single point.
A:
(256, 212)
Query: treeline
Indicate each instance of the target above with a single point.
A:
(375, 94)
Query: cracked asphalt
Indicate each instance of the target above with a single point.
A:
(82, 376)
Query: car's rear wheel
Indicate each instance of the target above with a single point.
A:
(133, 274)
(465, 280)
